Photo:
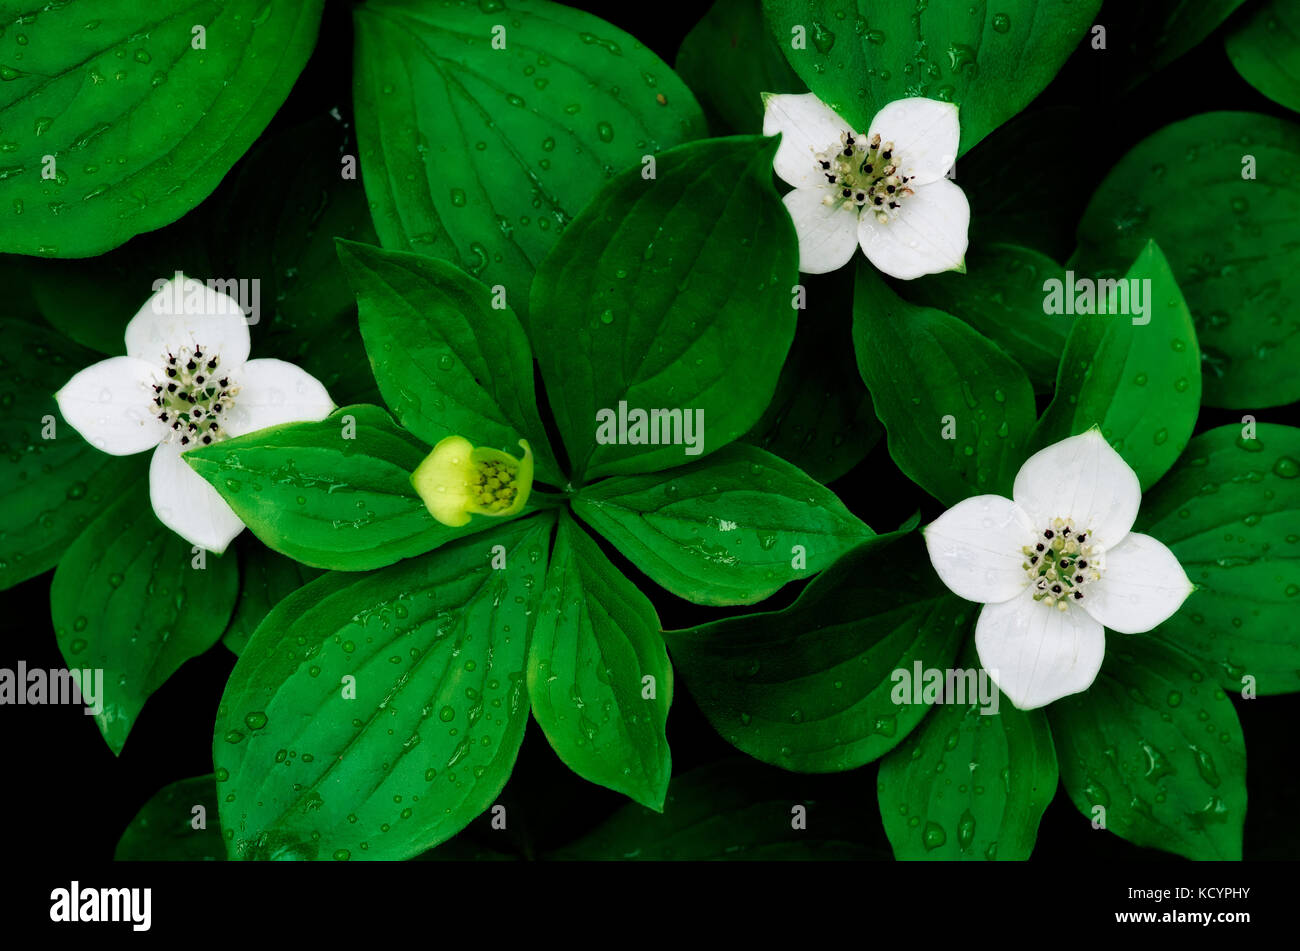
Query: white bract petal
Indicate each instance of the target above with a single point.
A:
(184, 315)
(827, 233)
(270, 392)
(927, 237)
(1037, 654)
(1055, 565)
(1141, 586)
(1081, 478)
(889, 183)
(976, 545)
(179, 389)
(187, 504)
(108, 403)
(925, 133)
(807, 126)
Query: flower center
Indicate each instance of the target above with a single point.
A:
(1061, 564)
(493, 485)
(195, 398)
(861, 174)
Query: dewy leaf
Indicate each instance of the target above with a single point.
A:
(971, 783)
(1233, 250)
(332, 494)
(130, 599)
(1265, 49)
(736, 811)
(121, 116)
(821, 417)
(1230, 512)
(810, 688)
(957, 409)
(374, 715)
(1153, 752)
(52, 482)
(449, 357)
(1135, 371)
(485, 129)
(860, 55)
(1002, 296)
(668, 294)
(730, 529)
(265, 579)
(598, 672)
(279, 230)
(729, 59)
(164, 828)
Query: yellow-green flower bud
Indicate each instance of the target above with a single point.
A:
(458, 480)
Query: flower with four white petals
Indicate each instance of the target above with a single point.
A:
(185, 382)
(1053, 565)
(884, 190)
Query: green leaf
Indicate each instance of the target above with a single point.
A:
(265, 579)
(92, 300)
(163, 830)
(1265, 49)
(972, 781)
(598, 672)
(20, 303)
(483, 130)
(734, 811)
(1135, 376)
(860, 55)
(1050, 172)
(128, 599)
(1160, 31)
(809, 688)
(1230, 512)
(279, 229)
(729, 59)
(932, 376)
(1158, 746)
(1232, 250)
(50, 487)
(1001, 296)
(821, 417)
(447, 360)
(730, 529)
(374, 715)
(331, 494)
(142, 123)
(654, 290)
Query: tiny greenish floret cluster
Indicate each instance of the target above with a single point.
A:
(493, 486)
(194, 399)
(864, 174)
(1061, 564)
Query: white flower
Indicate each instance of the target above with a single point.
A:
(1054, 566)
(884, 190)
(186, 381)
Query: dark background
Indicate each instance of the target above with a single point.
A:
(65, 794)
